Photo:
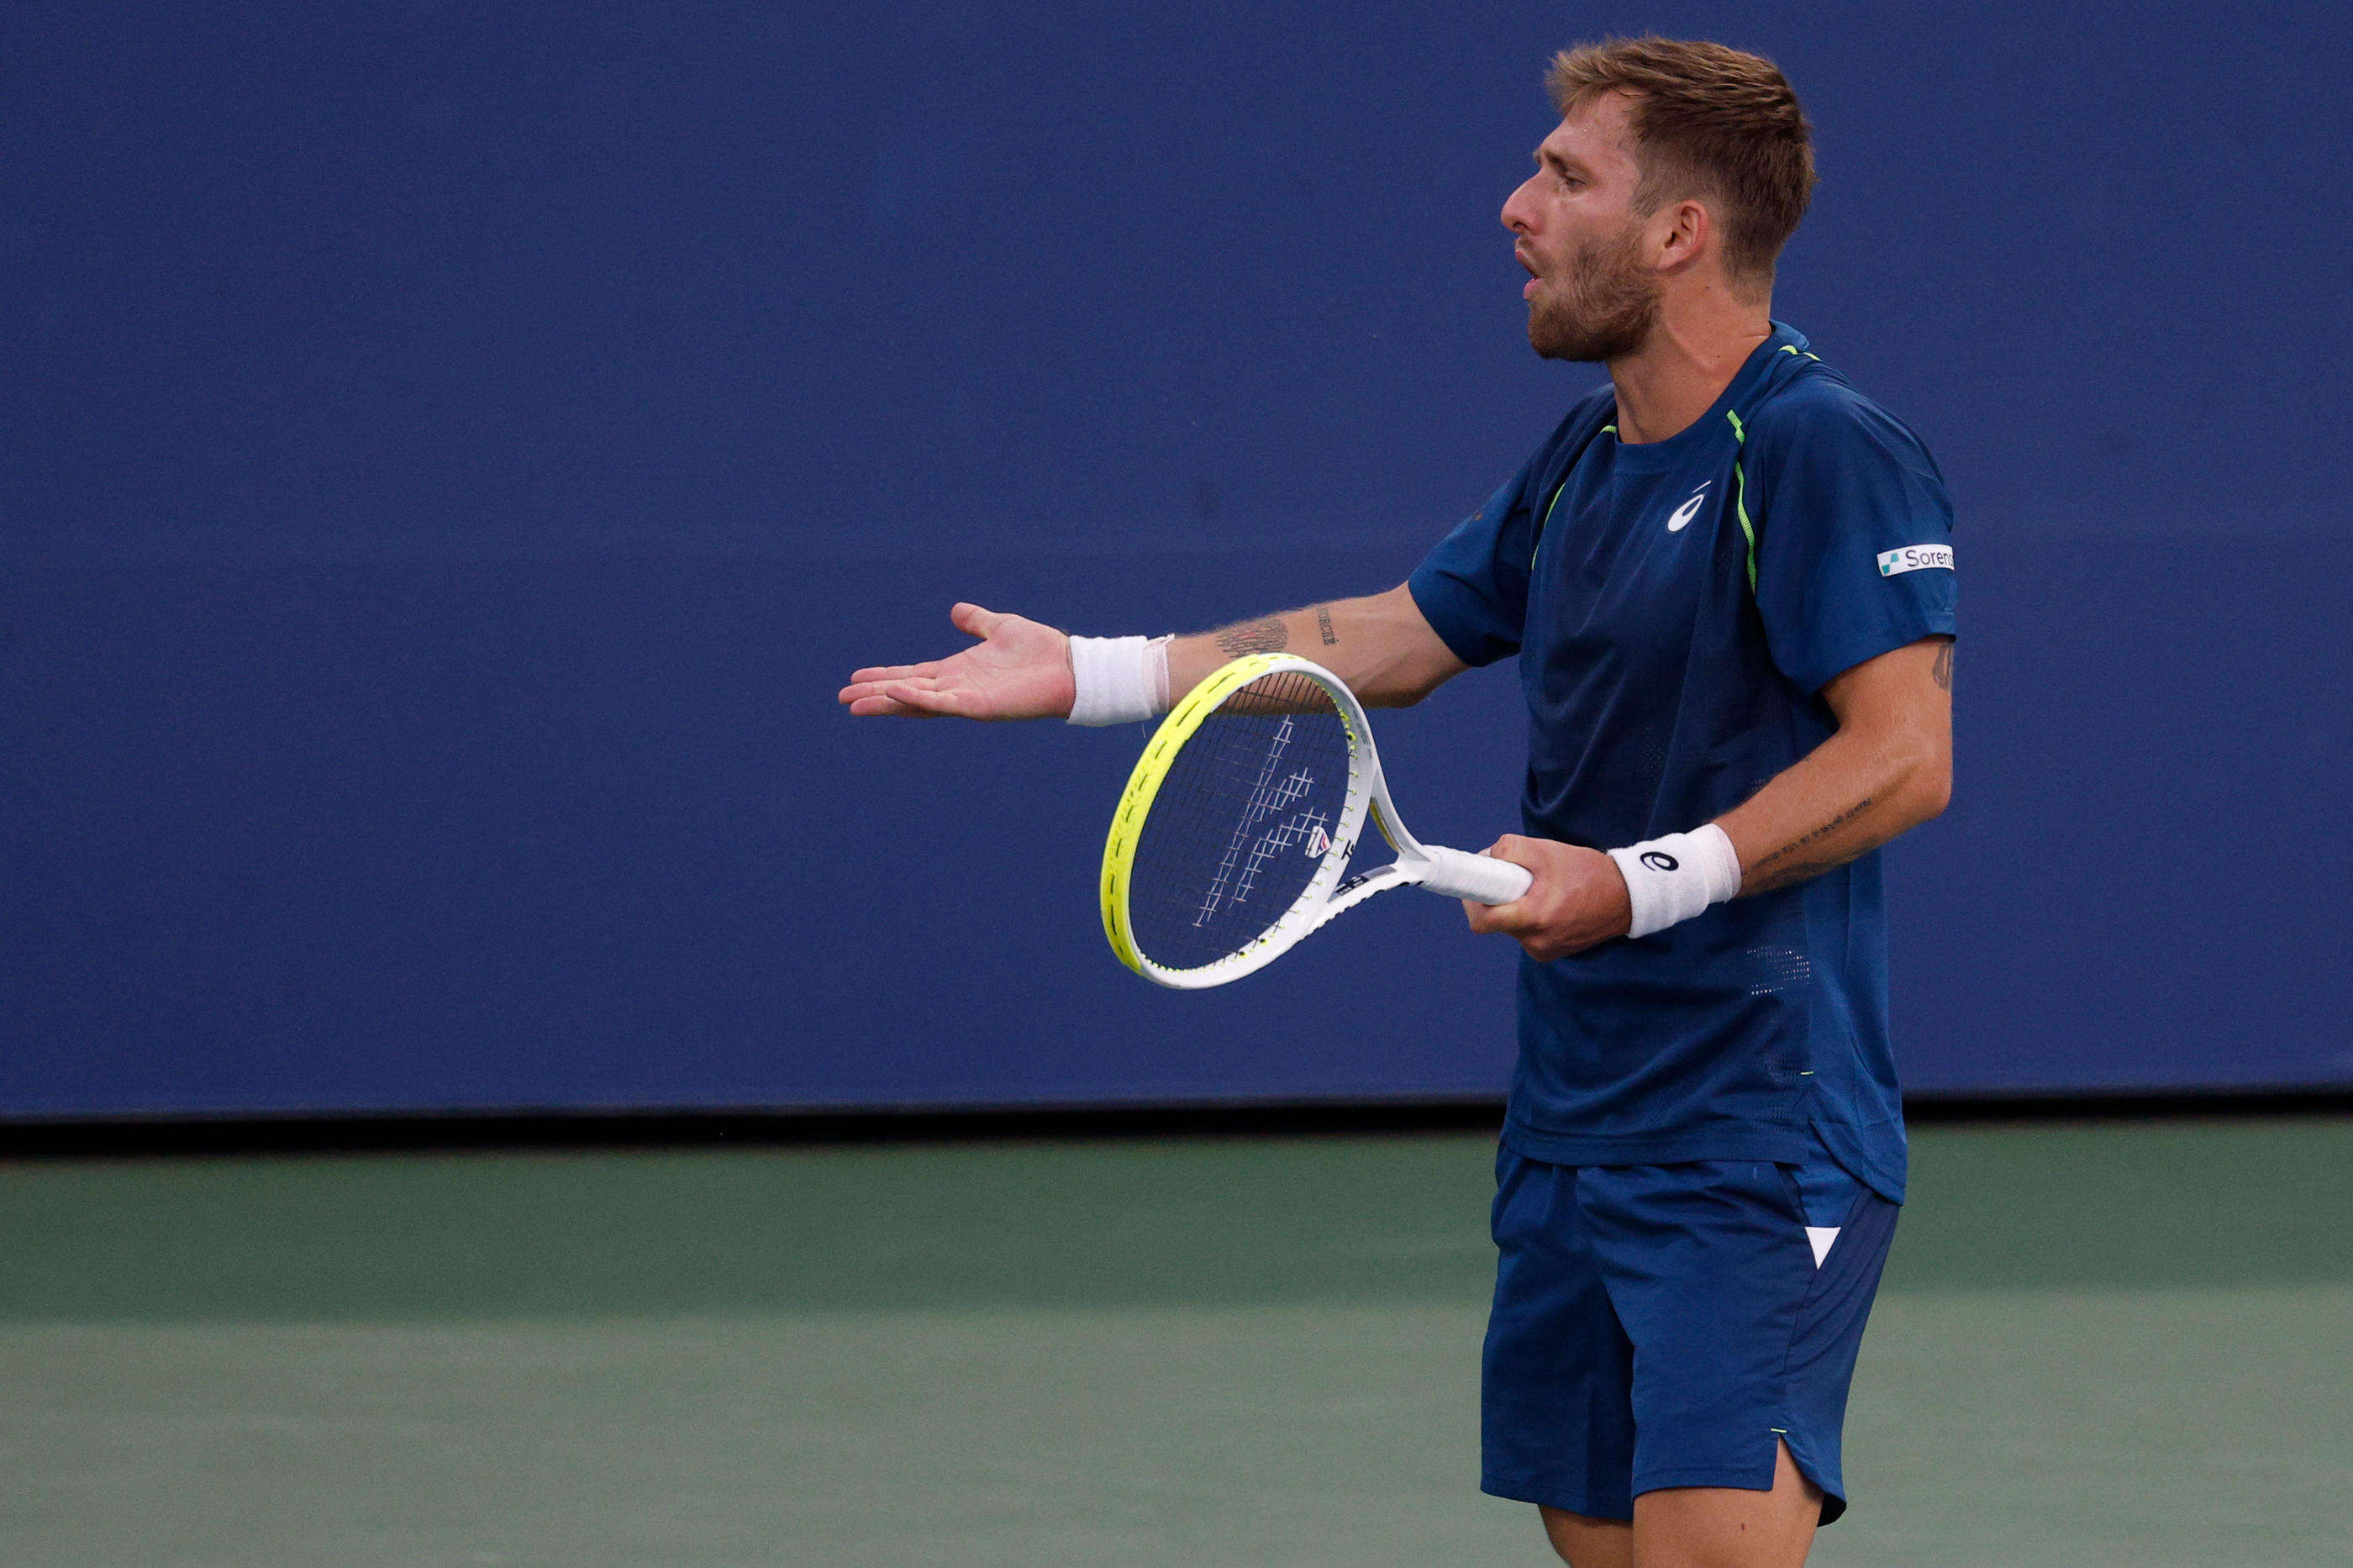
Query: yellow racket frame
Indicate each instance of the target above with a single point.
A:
(1450, 872)
(1152, 769)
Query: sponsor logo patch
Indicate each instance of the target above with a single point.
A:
(1914, 558)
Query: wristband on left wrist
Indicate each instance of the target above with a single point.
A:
(1671, 879)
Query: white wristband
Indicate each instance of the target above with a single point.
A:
(1118, 680)
(1674, 878)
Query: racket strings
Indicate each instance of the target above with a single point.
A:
(1243, 820)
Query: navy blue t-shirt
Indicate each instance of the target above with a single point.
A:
(1677, 607)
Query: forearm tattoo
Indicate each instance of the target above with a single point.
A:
(1269, 636)
(1323, 625)
(1767, 875)
(1786, 876)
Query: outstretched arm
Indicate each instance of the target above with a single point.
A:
(1380, 644)
(1018, 669)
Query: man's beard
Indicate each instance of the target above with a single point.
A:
(1605, 309)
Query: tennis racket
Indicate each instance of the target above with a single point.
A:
(1232, 840)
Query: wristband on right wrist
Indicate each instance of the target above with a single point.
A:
(1118, 680)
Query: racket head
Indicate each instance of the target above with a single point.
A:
(1237, 823)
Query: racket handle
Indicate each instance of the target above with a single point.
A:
(1474, 876)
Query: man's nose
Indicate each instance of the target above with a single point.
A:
(1514, 213)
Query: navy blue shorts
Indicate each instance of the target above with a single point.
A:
(1668, 1325)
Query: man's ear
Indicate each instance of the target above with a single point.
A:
(1687, 228)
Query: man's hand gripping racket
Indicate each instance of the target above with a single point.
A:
(1232, 840)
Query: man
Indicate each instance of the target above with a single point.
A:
(1728, 579)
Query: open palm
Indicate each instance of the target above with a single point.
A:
(1018, 669)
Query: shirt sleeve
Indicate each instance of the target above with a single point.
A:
(1473, 588)
(1854, 538)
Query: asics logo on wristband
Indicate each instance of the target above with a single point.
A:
(1678, 876)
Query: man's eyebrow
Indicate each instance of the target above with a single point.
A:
(1547, 158)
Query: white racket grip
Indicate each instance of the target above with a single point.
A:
(1474, 877)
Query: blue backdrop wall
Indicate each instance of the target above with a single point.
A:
(453, 453)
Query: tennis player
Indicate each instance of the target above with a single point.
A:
(1728, 579)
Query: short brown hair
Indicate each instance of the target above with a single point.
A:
(1708, 120)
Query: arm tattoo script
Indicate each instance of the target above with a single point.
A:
(1824, 831)
(1269, 636)
(1323, 625)
(1787, 875)
(1943, 668)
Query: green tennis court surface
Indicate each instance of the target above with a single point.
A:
(2103, 1344)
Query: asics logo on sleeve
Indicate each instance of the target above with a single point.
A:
(1688, 511)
